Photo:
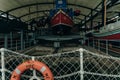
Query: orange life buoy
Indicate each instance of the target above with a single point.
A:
(39, 66)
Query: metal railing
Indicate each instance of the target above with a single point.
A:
(17, 40)
(16, 44)
(111, 47)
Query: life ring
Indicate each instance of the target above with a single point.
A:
(39, 66)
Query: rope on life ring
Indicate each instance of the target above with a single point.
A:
(39, 66)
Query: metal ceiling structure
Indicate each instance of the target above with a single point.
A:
(91, 11)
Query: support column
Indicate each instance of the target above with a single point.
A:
(98, 44)
(85, 24)
(21, 40)
(34, 38)
(88, 41)
(91, 20)
(27, 36)
(16, 45)
(6, 41)
(103, 12)
(107, 46)
(93, 43)
(27, 39)
(11, 39)
(24, 44)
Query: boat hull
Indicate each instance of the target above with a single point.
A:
(61, 23)
(114, 34)
(61, 30)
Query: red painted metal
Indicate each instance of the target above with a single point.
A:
(111, 37)
(61, 18)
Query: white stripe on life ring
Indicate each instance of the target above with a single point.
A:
(18, 71)
(42, 69)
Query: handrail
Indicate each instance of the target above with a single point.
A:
(109, 47)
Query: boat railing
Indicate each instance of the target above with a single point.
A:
(78, 64)
(15, 44)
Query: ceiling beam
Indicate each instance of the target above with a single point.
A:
(40, 12)
(95, 15)
(83, 14)
(32, 19)
(7, 14)
(84, 7)
(95, 8)
(33, 13)
(46, 3)
(113, 11)
(78, 18)
(89, 15)
(116, 4)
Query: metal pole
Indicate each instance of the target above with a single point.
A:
(34, 42)
(21, 39)
(98, 45)
(105, 13)
(2, 63)
(88, 41)
(27, 41)
(93, 44)
(6, 41)
(24, 44)
(11, 40)
(30, 43)
(107, 46)
(16, 45)
(81, 64)
(91, 20)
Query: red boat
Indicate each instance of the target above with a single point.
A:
(61, 18)
(110, 32)
(61, 23)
